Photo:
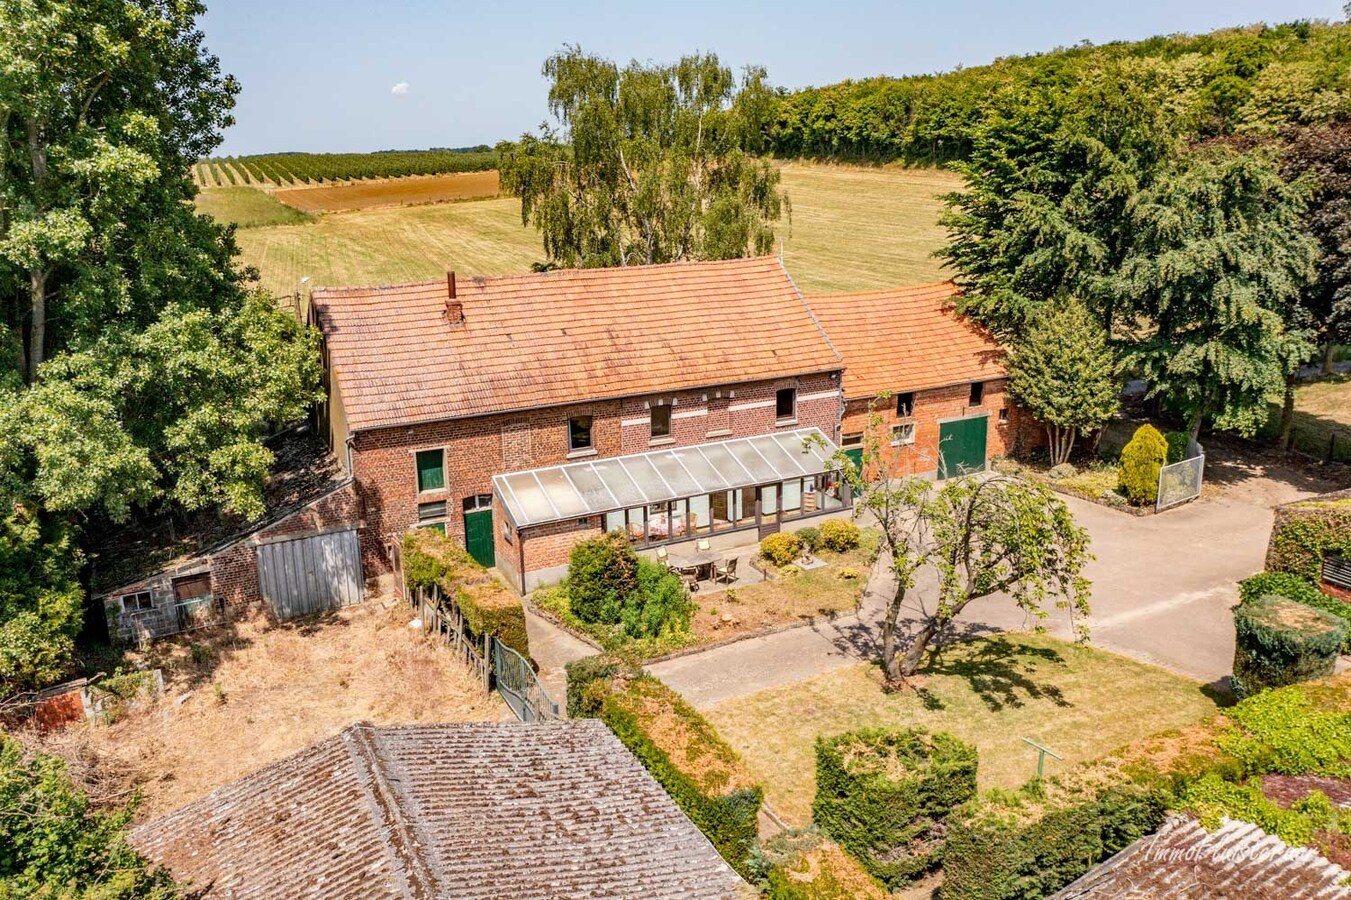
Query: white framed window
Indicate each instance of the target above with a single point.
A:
(137, 601)
(903, 435)
(1003, 415)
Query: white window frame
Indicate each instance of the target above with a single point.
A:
(903, 428)
(149, 601)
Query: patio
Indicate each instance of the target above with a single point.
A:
(706, 563)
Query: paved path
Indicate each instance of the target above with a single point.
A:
(1163, 589)
(553, 648)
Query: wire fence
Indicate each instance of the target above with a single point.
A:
(1181, 481)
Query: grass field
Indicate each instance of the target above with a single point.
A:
(1322, 418)
(247, 207)
(852, 228)
(410, 191)
(1081, 702)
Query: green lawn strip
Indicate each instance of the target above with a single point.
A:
(247, 207)
(1079, 701)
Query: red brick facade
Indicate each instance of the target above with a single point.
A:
(1010, 429)
(476, 449)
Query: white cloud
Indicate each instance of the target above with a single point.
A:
(399, 89)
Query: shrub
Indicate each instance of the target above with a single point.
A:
(881, 792)
(1141, 459)
(602, 575)
(489, 608)
(1210, 798)
(430, 558)
(810, 537)
(780, 549)
(1062, 471)
(1177, 442)
(584, 701)
(661, 605)
(1306, 531)
(806, 865)
(1284, 732)
(1280, 642)
(1293, 587)
(1034, 841)
(687, 757)
(839, 535)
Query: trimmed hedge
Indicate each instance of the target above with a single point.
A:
(430, 559)
(1293, 587)
(806, 865)
(881, 792)
(1280, 642)
(1141, 459)
(702, 773)
(1306, 530)
(1034, 841)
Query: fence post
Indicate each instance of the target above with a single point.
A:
(487, 662)
(1332, 447)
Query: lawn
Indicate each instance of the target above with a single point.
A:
(1081, 702)
(1322, 413)
(853, 228)
(247, 207)
(239, 698)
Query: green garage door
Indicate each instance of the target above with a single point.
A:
(961, 446)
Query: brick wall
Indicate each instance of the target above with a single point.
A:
(476, 449)
(930, 407)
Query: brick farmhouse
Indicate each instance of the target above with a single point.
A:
(675, 402)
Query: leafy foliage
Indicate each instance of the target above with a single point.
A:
(1305, 532)
(55, 844)
(1286, 732)
(1177, 442)
(810, 537)
(839, 535)
(1141, 459)
(880, 794)
(307, 167)
(654, 163)
(1293, 587)
(40, 600)
(1280, 642)
(781, 548)
(1210, 798)
(602, 577)
(1065, 374)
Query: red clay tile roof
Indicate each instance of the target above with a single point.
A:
(905, 339)
(560, 337)
(478, 810)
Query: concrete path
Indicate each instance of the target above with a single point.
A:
(1163, 589)
(553, 648)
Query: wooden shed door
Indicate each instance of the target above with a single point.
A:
(310, 574)
(479, 538)
(961, 446)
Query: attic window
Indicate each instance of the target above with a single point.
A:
(977, 393)
(137, 601)
(661, 421)
(579, 433)
(785, 404)
(905, 405)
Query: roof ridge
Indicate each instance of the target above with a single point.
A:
(913, 288)
(362, 745)
(811, 312)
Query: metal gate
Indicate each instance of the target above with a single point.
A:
(309, 574)
(1181, 481)
(961, 445)
(520, 687)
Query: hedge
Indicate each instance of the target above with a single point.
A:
(881, 793)
(1034, 841)
(1280, 642)
(781, 548)
(702, 773)
(839, 535)
(1293, 587)
(806, 865)
(1306, 530)
(430, 559)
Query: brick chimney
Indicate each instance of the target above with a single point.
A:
(454, 308)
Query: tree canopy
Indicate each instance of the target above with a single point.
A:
(139, 368)
(648, 164)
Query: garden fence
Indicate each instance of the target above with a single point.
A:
(1181, 481)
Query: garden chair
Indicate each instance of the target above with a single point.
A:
(725, 571)
(690, 576)
(662, 556)
(702, 544)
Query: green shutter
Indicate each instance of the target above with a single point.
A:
(436, 526)
(431, 470)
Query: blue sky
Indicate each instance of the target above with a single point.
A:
(319, 75)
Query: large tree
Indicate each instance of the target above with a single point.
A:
(648, 164)
(138, 366)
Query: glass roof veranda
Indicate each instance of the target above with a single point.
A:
(593, 487)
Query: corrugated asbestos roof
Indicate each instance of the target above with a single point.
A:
(469, 811)
(1184, 861)
(556, 493)
(550, 338)
(905, 339)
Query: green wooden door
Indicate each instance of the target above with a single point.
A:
(855, 454)
(478, 536)
(961, 446)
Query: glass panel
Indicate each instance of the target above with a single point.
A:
(592, 489)
(752, 461)
(701, 469)
(808, 456)
(792, 498)
(732, 472)
(614, 521)
(532, 505)
(637, 524)
(561, 492)
(830, 495)
(699, 519)
(682, 485)
(620, 484)
(785, 463)
(769, 500)
(641, 471)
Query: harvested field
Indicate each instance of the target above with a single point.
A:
(409, 191)
(240, 698)
(246, 207)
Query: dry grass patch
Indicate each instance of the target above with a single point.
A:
(409, 191)
(1081, 702)
(238, 699)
